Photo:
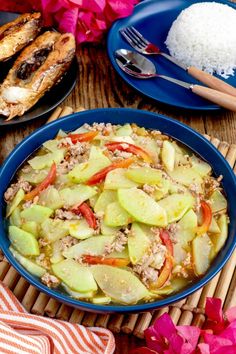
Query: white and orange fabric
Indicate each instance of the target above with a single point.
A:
(23, 333)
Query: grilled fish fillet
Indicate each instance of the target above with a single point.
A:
(17, 34)
(39, 66)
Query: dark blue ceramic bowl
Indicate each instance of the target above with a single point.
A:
(168, 126)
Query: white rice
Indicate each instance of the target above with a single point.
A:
(204, 35)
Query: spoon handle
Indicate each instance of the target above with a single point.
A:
(220, 98)
(211, 81)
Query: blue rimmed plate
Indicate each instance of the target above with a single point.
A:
(153, 18)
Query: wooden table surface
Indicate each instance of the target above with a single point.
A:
(99, 86)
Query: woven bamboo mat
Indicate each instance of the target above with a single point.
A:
(187, 311)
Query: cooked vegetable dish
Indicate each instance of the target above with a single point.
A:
(115, 213)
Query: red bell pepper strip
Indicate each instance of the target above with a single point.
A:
(101, 175)
(165, 237)
(168, 265)
(136, 150)
(207, 217)
(75, 138)
(49, 179)
(87, 213)
(165, 272)
(119, 262)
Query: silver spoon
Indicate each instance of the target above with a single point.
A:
(136, 65)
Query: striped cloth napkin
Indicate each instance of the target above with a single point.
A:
(23, 333)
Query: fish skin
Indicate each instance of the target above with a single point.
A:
(20, 35)
(42, 79)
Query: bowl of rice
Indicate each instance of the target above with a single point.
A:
(204, 35)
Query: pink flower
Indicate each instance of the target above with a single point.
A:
(218, 335)
(86, 19)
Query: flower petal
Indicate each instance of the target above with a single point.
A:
(225, 350)
(186, 349)
(165, 326)
(215, 342)
(175, 343)
(190, 334)
(94, 5)
(231, 314)
(204, 348)
(154, 340)
(68, 21)
(52, 5)
(118, 9)
(230, 332)
(213, 309)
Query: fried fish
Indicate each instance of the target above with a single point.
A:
(17, 34)
(40, 66)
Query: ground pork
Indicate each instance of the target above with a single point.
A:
(196, 192)
(172, 230)
(66, 215)
(149, 275)
(197, 205)
(159, 255)
(14, 187)
(65, 142)
(145, 271)
(50, 280)
(142, 164)
(43, 261)
(149, 265)
(103, 128)
(66, 166)
(211, 184)
(117, 155)
(27, 204)
(118, 244)
(158, 166)
(67, 242)
(180, 271)
(43, 242)
(156, 233)
(149, 189)
(26, 169)
(76, 153)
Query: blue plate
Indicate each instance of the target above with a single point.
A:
(153, 18)
(168, 126)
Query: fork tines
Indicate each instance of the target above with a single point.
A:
(134, 37)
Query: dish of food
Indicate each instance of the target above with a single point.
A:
(154, 19)
(193, 41)
(16, 34)
(38, 67)
(116, 213)
(119, 116)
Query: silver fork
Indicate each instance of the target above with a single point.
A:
(143, 46)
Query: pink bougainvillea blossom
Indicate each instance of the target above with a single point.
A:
(217, 337)
(88, 20)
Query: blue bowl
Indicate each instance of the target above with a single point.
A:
(168, 126)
